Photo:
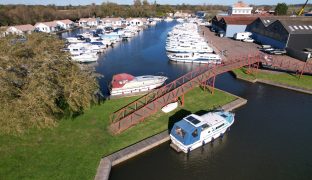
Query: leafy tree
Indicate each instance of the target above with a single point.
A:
(281, 9)
(39, 83)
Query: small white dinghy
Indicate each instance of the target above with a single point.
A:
(170, 107)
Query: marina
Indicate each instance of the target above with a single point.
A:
(153, 91)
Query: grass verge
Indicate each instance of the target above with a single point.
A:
(287, 79)
(73, 149)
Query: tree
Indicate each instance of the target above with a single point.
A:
(39, 84)
(281, 9)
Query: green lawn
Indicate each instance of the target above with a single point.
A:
(304, 82)
(73, 149)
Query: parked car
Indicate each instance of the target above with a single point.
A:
(278, 51)
(249, 40)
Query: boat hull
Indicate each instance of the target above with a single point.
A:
(134, 90)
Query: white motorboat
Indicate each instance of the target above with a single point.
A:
(85, 57)
(194, 131)
(205, 58)
(190, 49)
(123, 84)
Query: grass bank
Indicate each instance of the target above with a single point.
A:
(287, 79)
(73, 149)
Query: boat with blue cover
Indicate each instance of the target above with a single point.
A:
(194, 131)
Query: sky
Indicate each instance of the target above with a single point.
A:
(84, 2)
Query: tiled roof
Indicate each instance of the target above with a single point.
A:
(88, 19)
(240, 4)
(65, 21)
(26, 27)
(49, 24)
(239, 20)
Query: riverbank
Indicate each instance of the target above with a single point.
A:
(73, 149)
(279, 79)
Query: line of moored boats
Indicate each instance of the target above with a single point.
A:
(87, 46)
(185, 44)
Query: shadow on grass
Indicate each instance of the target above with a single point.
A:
(177, 117)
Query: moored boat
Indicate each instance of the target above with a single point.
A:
(126, 84)
(203, 58)
(194, 131)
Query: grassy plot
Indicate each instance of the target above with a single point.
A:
(73, 149)
(305, 82)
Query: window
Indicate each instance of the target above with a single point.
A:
(310, 27)
(205, 126)
(195, 133)
(219, 126)
(300, 27)
(306, 27)
(296, 27)
(180, 132)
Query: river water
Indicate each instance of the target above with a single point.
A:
(271, 138)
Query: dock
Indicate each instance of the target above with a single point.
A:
(127, 153)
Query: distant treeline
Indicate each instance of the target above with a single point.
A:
(30, 14)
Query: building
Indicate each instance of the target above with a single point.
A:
(20, 29)
(240, 8)
(47, 27)
(65, 24)
(201, 14)
(88, 22)
(181, 14)
(229, 25)
(136, 21)
(114, 22)
(292, 33)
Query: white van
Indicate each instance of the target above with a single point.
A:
(241, 36)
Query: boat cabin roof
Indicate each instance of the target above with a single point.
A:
(210, 119)
(119, 80)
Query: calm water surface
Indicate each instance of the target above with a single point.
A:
(271, 138)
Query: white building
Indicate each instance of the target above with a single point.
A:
(136, 21)
(88, 22)
(240, 8)
(20, 29)
(65, 24)
(180, 14)
(113, 22)
(47, 27)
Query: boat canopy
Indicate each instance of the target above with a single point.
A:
(119, 80)
(185, 132)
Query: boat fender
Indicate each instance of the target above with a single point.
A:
(203, 144)
(221, 135)
(188, 150)
(228, 129)
(212, 139)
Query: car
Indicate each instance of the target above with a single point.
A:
(278, 51)
(249, 40)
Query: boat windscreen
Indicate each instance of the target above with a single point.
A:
(223, 115)
(193, 120)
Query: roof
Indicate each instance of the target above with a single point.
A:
(240, 4)
(26, 27)
(88, 19)
(119, 80)
(65, 21)
(239, 20)
(111, 19)
(49, 24)
(297, 26)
